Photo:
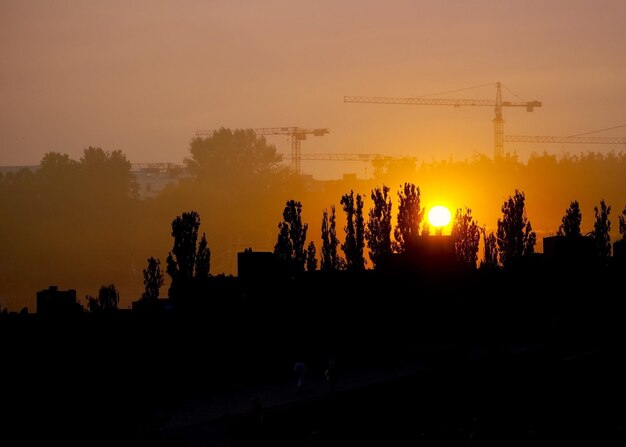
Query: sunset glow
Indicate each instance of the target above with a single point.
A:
(395, 102)
(333, 204)
(439, 216)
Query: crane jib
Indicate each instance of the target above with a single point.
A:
(497, 104)
(441, 101)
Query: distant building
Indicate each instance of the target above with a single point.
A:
(425, 254)
(433, 253)
(14, 169)
(258, 265)
(52, 301)
(147, 306)
(563, 251)
(152, 178)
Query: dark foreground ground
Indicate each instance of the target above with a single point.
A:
(454, 396)
(529, 399)
(432, 361)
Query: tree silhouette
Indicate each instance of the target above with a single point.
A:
(107, 301)
(515, 236)
(466, 236)
(570, 226)
(108, 297)
(92, 304)
(203, 259)
(59, 183)
(292, 237)
(231, 154)
(378, 231)
(152, 279)
(355, 231)
(107, 174)
(622, 224)
(187, 263)
(490, 258)
(55, 164)
(89, 202)
(311, 260)
(181, 260)
(410, 216)
(601, 230)
(330, 261)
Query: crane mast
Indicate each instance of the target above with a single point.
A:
(297, 135)
(497, 104)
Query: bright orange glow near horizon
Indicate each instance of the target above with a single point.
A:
(143, 77)
(439, 217)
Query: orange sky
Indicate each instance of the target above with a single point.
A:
(144, 76)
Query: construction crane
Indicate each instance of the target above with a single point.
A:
(573, 139)
(378, 161)
(497, 104)
(297, 135)
(345, 157)
(582, 138)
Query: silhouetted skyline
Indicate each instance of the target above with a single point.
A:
(178, 307)
(81, 223)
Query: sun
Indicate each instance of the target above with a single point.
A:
(439, 216)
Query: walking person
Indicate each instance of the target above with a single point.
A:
(253, 428)
(300, 369)
(331, 374)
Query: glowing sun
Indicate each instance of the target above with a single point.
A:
(439, 216)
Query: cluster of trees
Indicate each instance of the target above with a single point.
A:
(514, 237)
(67, 221)
(107, 300)
(570, 226)
(189, 261)
(81, 221)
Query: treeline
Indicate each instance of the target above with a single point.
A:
(79, 224)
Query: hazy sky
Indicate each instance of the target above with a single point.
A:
(143, 76)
